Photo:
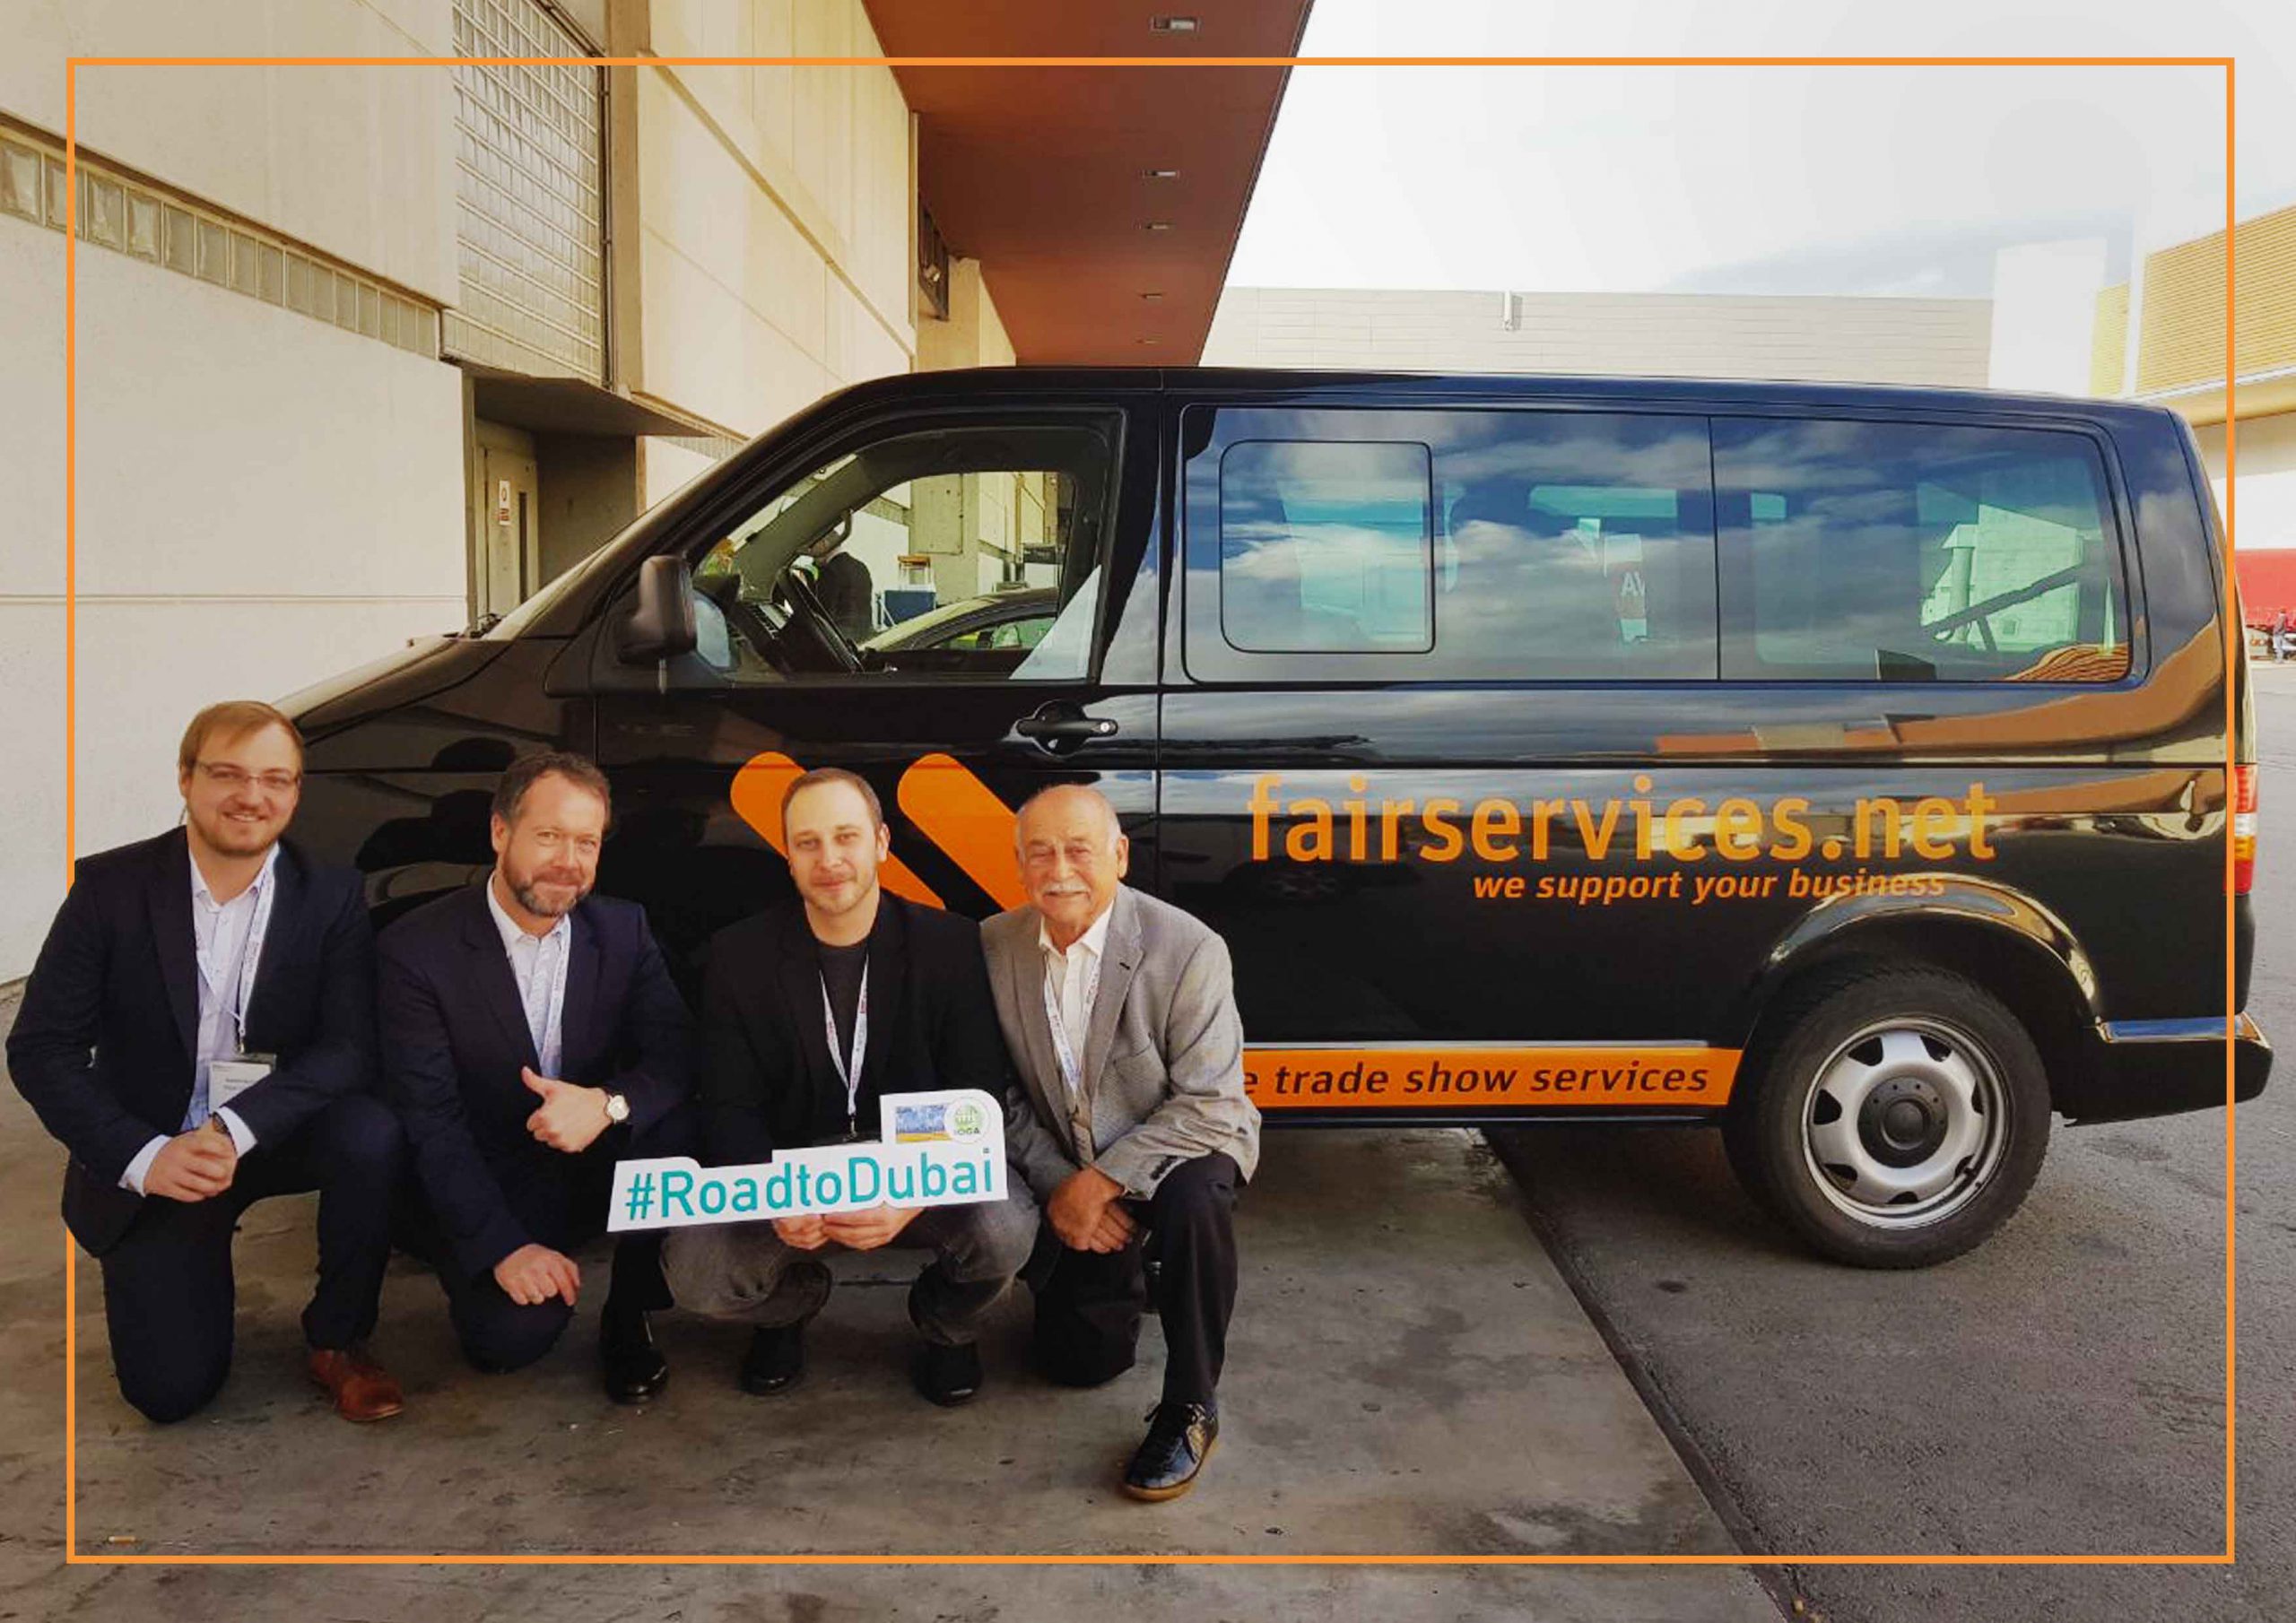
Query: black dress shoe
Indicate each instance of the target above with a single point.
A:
(633, 1366)
(1180, 1437)
(776, 1360)
(947, 1375)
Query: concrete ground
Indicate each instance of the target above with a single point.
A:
(1408, 1374)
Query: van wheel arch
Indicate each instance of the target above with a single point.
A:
(2030, 976)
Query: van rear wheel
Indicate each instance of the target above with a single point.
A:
(1896, 1118)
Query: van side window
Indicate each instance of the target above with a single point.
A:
(962, 553)
(1578, 545)
(1488, 545)
(1916, 553)
(1325, 548)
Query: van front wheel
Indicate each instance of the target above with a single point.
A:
(1896, 1118)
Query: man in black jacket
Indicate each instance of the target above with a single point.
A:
(811, 1014)
(531, 1038)
(199, 1032)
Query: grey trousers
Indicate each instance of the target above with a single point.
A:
(744, 1272)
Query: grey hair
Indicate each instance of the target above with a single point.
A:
(1108, 808)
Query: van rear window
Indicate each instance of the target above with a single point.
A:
(1325, 548)
(1916, 553)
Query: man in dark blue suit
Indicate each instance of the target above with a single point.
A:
(199, 1033)
(531, 1038)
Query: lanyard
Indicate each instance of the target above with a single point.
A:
(250, 960)
(1071, 1070)
(851, 1078)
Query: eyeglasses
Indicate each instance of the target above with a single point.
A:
(236, 778)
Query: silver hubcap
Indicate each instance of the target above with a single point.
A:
(1904, 1124)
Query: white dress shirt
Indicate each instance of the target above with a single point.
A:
(220, 933)
(1073, 978)
(538, 964)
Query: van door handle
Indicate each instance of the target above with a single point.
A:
(1059, 724)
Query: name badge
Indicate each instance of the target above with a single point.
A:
(229, 1078)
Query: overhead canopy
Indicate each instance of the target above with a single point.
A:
(1044, 175)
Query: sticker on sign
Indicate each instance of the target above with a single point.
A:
(941, 1148)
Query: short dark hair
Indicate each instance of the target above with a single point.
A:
(818, 776)
(524, 773)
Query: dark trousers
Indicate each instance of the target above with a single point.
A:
(168, 1292)
(561, 1200)
(1088, 1307)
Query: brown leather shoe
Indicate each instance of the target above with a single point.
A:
(362, 1390)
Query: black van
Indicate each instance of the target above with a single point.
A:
(1844, 766)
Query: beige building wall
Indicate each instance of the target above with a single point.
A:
(264, 499)
(2267, 458)
(2161, 338)
(1907, 341)
(973, 334)
(775, 209)
(358, 162)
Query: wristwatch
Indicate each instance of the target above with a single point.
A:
(617, 1109)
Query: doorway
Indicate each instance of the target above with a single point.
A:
(506, 499)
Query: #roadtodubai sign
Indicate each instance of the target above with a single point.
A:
(945, 1148)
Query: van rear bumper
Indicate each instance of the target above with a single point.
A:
(2159, 1067)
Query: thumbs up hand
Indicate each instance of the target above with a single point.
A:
(569, 1117)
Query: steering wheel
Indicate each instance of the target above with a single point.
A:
(813, 639)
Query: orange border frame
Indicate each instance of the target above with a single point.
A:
(2233, 651)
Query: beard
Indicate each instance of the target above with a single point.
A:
(233, 838)
(844, 896)
(567, 892)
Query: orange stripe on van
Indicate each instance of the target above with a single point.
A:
(1459, 1078)
(961, 814)
(757, 789)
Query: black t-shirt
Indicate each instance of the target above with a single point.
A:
(842, 968)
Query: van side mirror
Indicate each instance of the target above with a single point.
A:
(660, 625)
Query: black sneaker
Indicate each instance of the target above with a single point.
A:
(776, 1360)
(633, 1367)
(945, 1375)
(1180, 1438)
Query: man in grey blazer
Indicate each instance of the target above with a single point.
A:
(1130, 1123)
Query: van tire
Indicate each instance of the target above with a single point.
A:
(1896, 1117)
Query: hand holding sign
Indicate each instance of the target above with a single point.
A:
(867, 1230)
(571, 1117)
(801, 1233)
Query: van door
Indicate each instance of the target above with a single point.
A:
(932, 600)
(1424, 658)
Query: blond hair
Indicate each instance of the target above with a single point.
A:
(229, 722)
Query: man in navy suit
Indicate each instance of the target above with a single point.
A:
(199, 1033)
(532, 1039)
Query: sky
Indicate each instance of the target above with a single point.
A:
(1833, 180)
